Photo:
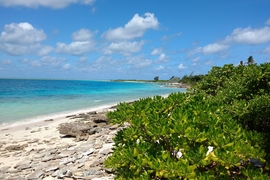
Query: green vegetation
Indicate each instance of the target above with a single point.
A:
(156, 78)
(191, 79)
(219, 129)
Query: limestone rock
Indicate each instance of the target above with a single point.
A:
(100, 118)
(16, 147)
(35, 175)
(74, 129)
(65, 172)
(26, 164)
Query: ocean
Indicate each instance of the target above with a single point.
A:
(27, 100)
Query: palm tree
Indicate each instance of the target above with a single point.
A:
(250, 60)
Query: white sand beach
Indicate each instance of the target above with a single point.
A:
(38, 151)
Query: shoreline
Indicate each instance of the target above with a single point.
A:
(35, 121)
(21, 147)
(39, 150)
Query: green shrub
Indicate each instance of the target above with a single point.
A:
(218, 130)
(245, 93)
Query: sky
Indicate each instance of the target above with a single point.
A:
(129, 39)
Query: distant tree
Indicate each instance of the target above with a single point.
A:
(250, 60)
(174, 79)
(191, 79)
(156, 78)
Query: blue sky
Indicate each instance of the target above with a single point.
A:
(129, 39)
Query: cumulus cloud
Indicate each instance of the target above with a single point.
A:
(156, 51)
(209, 49)
(214, 48)
(83, 35)
(195, 61)
(82, 43)
(6, 61)
(45, 61)
(66, 66)
(182, 67)
(139, 62)
(124, 47)
(209, 63)
(16, 50)
(76, 48)
(267, 22)
(20, 38)
(136, 27)
(21, 33)
(55, 4)
(249, 36)
(45, 50)
(160, 68)
(162, 58)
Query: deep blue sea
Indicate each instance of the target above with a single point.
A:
(24, 100)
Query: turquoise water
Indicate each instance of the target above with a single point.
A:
(24, 100)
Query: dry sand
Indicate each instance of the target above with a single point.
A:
(34, 136)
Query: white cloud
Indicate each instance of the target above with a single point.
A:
(16, 50)
(83, 35)
(139, 62)
(21, 33)
(267, 22)
(249, 36)
(267, 50)
(162, 58)
(56, 4)
(214, 48)
(45, 61)
(45, 50)
(209, 63)
(156, 51)
(76, 48)
(6, 61)
(52, 61)
(196, 59)
(82, 43)
(66, 66)
(160, 68)
(136, 27)
(34, 63)
(182, 67)
(20, 38)
(209, 49)
(124, 47)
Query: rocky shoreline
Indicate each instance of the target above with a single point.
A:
(59, 150)
(175, 85)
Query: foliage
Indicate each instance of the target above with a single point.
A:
(245, 92)
(250, 60)
(191, 79)
(156, 78)
(174, 79)
(218, 130)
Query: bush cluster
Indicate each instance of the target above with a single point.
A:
(218, 130)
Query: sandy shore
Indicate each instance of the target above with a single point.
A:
(25, 142)
(37, 150)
